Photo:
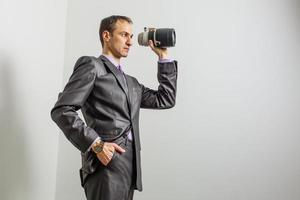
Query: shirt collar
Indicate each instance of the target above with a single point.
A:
(112, 60)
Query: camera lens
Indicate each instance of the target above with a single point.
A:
(163, 37)
(166, 37)
(143, 39)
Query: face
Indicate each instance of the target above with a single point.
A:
(119, 41)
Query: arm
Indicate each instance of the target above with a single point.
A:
(165, 96)
(72, 99)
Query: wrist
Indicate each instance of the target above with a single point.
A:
(162, 57)
(97, 147)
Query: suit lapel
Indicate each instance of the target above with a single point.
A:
(129, 86)
(119, 76)
(115, 72)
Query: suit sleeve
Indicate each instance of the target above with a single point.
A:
(72, 99)
(165, 96)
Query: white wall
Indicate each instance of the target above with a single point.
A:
(31, 63)
(234, 132)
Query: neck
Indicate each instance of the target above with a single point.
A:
(110, 54)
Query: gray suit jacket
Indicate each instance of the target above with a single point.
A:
(109, 108)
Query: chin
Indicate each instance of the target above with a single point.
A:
(124, 55)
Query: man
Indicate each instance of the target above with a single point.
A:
(110, 101)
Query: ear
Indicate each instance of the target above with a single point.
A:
(106, 36)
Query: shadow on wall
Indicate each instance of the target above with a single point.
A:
(296, 10)
(13, 164)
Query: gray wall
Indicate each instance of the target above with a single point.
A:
(233, 134)
(31, 63)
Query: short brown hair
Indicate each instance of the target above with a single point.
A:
(108, 24)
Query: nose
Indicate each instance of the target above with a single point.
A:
(129, 41)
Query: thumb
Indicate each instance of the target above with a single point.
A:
(118, 148)
(151, 44)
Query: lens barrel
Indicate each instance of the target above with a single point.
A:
(165, 37)
(162, 37)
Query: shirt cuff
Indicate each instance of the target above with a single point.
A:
(166, 60)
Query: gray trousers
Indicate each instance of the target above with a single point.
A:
(114, 181)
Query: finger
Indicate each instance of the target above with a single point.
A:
(118, 148)
(103, 160)
(150, 42)
(104, 157)
(107, 160)
(111, 154)
(108, 154)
